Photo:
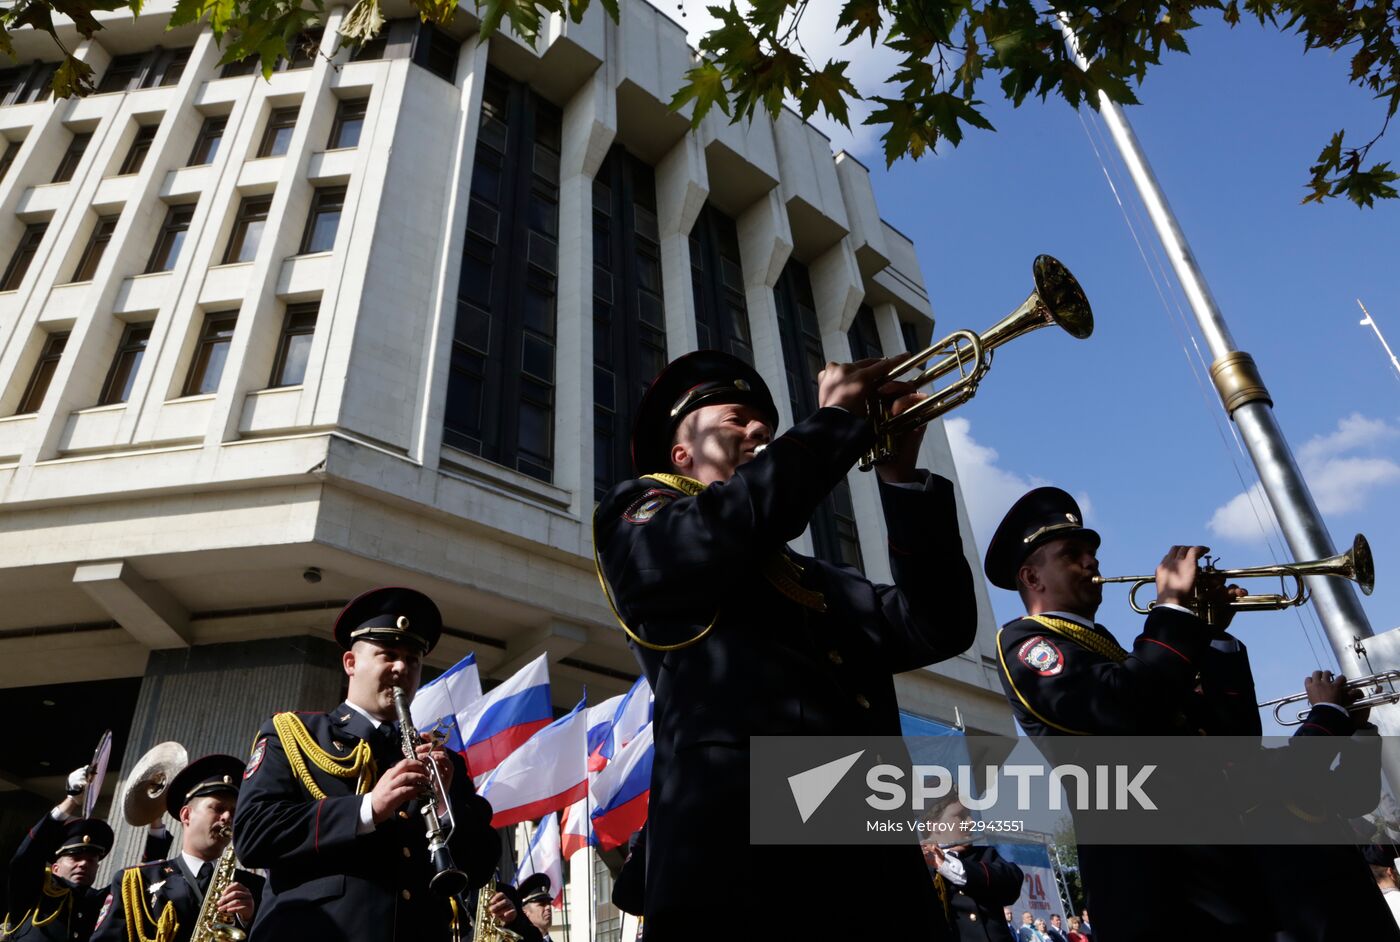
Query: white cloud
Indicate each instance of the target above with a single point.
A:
(988, 489)
(821, 40)
(1341, 482)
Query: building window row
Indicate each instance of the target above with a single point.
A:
(153, 69)
(206, 366)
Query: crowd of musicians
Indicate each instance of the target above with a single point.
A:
(739, 636)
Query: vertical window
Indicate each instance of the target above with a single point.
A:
(374, 49)
(437, 52)
(43, 374)
(305, 49)
(11, 84)
(140, 147)
(294, 347)
(127, 364)
(8, 158)
(349, 122)
(206, 146)
(629, 327)
(24, 254)
(68, 163)
(245, 66)
(211, 354)
(717, 280)
(247, 229)
(277, 136)
(172, 236)
(122, 73)
(325, 219)
(36, 84)
(168, 66)
(834, 535)
(864, 335)
(97, 244)
(500, 392)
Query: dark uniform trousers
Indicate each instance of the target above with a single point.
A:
(42, 906)
(329, 882)
(974, 909)
(161, 882)
(1153, 691)
(798, 647)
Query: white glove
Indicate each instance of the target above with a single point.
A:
(77, 781)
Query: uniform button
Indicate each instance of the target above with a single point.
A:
(834, 656)
(403, 814)
(407, 853)
(861, 702)
(407, 895)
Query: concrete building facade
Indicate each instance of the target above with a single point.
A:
(382, 318)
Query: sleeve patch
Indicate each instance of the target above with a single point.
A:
(255, 760)
(102, 913)
(1042, 656)
(647, 506)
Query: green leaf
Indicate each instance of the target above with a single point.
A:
(860, 16)
(72, 77)
(829, 88)
(704, 85)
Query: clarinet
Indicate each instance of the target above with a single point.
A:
(447, 880)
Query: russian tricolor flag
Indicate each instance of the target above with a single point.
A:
(542, 856)
(441, 700)
(620, 792)
(501, 721)
(548, 773)
(631, 712)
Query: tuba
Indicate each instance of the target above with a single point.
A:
(212, 925)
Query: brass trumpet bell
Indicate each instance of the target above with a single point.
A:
(1057, 299)
(1355, 565)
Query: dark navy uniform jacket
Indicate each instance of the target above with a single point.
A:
(777, 661)
(327, 881)
(993, 882)
(162, 882)
(1060, 687)
(69, 913)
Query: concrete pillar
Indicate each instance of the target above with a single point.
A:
(213, 698)
(682, 185)
(589, 126)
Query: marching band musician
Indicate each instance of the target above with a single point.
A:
(739, 636)
(162, 901)
(1066, 675)
(51, 895)
(326, 798)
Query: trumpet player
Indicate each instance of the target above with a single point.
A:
(741, 636)
(328, 798)
(1064, 674)
(162, 901)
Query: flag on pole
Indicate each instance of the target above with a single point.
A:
(621, 791)
(542, 856)
(630, 715)
(548, 773)
(438, 703)
(576, 830)
(600, 721)
(501, 721)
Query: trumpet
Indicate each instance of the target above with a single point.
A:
(447, 881)
(1355, 565)
(1377, 689)
(1057, 299)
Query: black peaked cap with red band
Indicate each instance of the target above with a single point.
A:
(702, 378)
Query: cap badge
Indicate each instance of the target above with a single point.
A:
(402, 622)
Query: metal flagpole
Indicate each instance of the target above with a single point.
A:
(1247, 401)
(1369, 321)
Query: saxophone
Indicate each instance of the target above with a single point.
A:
(486, 928)
(212, 925)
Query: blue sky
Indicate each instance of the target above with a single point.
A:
(1122, 419)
